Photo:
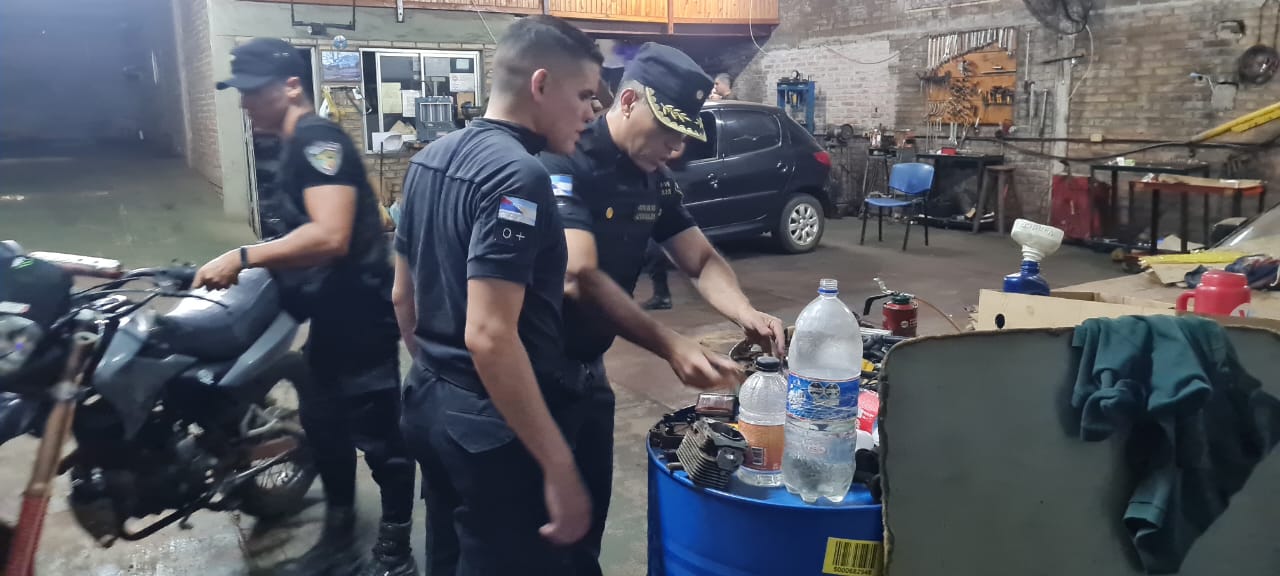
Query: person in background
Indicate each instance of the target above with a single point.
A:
(479, 282)
(614, 195)
(655, 265)
(723, 89)
(333, 266)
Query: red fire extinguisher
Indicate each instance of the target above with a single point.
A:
(900, 312)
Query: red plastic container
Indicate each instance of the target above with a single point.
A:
(1220, 293)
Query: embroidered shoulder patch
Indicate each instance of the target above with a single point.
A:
(517, 210)
(324, 156)
(562, 184)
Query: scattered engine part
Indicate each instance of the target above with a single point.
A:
(713, 405)
(667, 434)
(711, 452)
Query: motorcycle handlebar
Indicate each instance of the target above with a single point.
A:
(182, 276)
(82, 265)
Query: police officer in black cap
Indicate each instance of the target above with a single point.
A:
(334, 267)
(614, 194)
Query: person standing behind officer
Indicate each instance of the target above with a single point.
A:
(723, 89)
(479, 283)
(614, 194)
(333, 267)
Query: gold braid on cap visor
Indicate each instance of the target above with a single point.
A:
(671, 117)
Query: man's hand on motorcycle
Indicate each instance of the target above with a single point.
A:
(220, 273)
(700, 368)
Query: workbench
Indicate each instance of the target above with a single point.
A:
(941, 162)
(1265, 304)
(1112, 221)
(1204, 190)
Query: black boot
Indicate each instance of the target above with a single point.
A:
(658, 303)
(392, 555)
(336, 554)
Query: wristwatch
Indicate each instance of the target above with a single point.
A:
(244, 258)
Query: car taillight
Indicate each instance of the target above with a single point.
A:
(823, 158)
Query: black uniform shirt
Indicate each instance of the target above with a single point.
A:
(478, 204)
(600, 190)
(349, 300)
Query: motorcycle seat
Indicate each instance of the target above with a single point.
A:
(205, 330)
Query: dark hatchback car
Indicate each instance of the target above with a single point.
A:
(759, 172)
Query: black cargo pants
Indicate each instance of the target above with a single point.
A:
(483, 490)
(353, 401)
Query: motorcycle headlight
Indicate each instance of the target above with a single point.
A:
(18, 339)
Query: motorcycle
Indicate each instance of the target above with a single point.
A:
(175, 410)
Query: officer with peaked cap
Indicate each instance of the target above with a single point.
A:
(614, 194)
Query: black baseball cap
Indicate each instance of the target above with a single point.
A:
(260, 61)
(675, 87)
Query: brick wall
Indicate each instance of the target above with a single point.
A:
(192, 18)
(1143, 52)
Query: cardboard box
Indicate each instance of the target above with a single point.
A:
(1001, 311)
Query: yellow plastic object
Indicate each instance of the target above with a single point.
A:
(867, 366)
(1196, 258)
(1241, 124)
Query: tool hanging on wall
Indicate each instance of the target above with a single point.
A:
(948, 46)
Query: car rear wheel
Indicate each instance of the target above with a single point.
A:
(800, 225)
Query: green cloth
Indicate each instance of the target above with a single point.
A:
(1198, 424)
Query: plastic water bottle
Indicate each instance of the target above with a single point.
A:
(762, 412)
(825, 360)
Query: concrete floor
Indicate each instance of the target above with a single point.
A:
(147, 211)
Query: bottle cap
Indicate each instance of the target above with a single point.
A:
(828, 286)
(768, 364)
(1037, 240)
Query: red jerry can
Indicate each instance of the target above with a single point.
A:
(1220, 293)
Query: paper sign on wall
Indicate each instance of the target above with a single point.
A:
(407, 97)
(462, 82)
(389, 98)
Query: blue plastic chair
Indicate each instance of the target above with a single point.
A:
(909, 185)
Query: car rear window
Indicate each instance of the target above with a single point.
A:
(746, 131)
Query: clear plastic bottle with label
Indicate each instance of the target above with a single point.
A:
(825, 362)
(762, 412)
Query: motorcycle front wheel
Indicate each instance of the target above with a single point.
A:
(280, 491)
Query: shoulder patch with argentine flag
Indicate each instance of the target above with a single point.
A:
(519, 210)
(562, 184)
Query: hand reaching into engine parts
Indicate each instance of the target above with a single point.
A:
(766, 331)
(700, 368)
(220, 273)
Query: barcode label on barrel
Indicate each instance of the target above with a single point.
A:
(852, 558)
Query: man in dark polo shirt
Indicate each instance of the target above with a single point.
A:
(333, 266)
(478, 287)
(615, 194)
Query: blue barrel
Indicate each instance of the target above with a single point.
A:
(757, 531)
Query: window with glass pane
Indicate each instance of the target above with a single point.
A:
(393, 79)
(748, 131)
(694, 149)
